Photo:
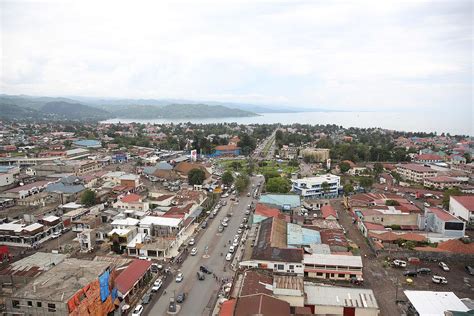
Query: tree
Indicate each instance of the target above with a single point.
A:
(325, 186)
(242, 182)
(278, 185)
(250, 166)
(468, 157)
(366, 182)
(392, 203)
(227, 178)
(88, 198)
(293, 163)
(271, 174)
(378, 168)
(236, 165)
(67, 144)
(447, 195)
(348, 188)
(344, 166)
(196, 176)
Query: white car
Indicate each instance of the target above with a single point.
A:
(235, 243)
(191, 242)
(228, 257)
(179, 277)
(55, 235)
(194, 251)
(224, 224)
(157, 285)
(444, 266)
(439, 279)
(239, 231)
(144, 258)
(247, 212)
(399, 263)
(231, 249)
(138, 310)
(226, 219)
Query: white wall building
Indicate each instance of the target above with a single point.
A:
(462, 207)
(312, 187)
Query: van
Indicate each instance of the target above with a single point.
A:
(200, 275)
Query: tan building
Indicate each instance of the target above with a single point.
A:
(415, 172)
(76, 167)
(442, 182)
(316, 154)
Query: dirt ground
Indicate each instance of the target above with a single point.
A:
(389, 283)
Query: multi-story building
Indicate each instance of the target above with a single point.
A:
(289, 152)
(415, 172)
(441, 222)
(333, 267)
(316, 154)
(314, 187)
(442, 182)
(76, 167)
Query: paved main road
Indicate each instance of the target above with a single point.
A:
(201, 295)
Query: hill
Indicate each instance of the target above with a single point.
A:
(75, 111)
(15, 112)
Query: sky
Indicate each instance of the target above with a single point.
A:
(348, 55)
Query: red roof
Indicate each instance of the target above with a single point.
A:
(416, 167)
(466, 200)
(373, 226)
(131, 275)
(457, 246)
(226, 147)
(266, 211)
(442, 214)
(227, 308)
(428, 157)
(328, 210)
(131, 198)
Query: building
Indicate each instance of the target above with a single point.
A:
(226, 150)
(442, 182)
(283, 202)
(441, 222)
(289, 152)
(25, 191)
(335, 300)
(328, 212)
(22, 235)
(261, 304)
(462, 207)
(87, 143)
(130, 281)
(315, 154)
(415, 172)
(271, 251)
(59, 291)
(428, 158)
(313, 188)
(75, 167)
(389, 215)
(333, 267)
(7, 175)
(431, 303)
(132, 202)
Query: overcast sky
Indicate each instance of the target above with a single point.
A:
(332, 54)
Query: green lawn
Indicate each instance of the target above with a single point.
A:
(272, 165)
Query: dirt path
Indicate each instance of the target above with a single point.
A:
(375, 276)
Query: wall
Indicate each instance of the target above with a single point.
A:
(61, 308)
(393, 219)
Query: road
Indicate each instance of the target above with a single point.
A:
(258, 152)
(201, 295)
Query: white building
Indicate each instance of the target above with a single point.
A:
(462, 207)
(333, 267)
(312, 187)
(431, 303)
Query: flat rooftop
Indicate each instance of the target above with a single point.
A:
(325, 295)
(431, 303)
(61, 282)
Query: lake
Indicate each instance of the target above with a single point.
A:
(447, 122)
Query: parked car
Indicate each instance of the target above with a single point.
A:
(146, 299)
(469, 269)
(423, 271)
(228, 257)
(443, 266)
(220, 229)
(179, 277)
(439, 279)
(224, 224)
(155, 267)
(204, 224)
(205, 269)
(55, 235)
(399, 263)
(411, 273)
(239, 231)
(231, 249)
(181, 297)
(191, 242)
(157, 285)
(247, 212)
(144, 258)
(138, 310)
(194, 251)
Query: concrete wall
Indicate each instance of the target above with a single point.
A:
(393, 219)
(61, 308)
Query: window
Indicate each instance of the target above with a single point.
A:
(292, 267)
(38, 304)
(341, 275)
(319, 274)
(15, 304)
(30, 304)
(280, 267)
(51, 307)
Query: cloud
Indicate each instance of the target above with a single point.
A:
(364, 54)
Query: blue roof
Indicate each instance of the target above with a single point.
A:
(62, 188)
(149, 170)
(163, 165)
(87, 143)
(293, 200)
(297, 235)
